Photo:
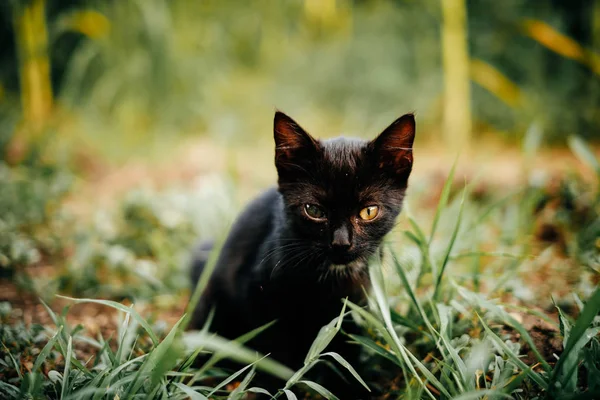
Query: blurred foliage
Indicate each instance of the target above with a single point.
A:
(31, 196)
(133, 72)
(142, 249)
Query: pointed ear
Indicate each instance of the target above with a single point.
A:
(292, 143)
(392, 149)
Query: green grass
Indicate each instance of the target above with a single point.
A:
(446, 317)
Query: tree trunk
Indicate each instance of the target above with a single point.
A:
(457, 93)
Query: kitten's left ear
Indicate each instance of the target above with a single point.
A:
(393, 147)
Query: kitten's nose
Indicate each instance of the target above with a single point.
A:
(341, 238)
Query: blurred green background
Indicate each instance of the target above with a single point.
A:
(125, 77)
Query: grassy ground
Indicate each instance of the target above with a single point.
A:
(489, 288)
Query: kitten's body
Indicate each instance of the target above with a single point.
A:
(253, 293)
(288, 261)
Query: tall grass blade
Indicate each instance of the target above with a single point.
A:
(325, 336)
(239, 391)
(566, 368)
(46, 350)
(438, 281)
(409, 360)
(289, 394)
(191, 393)
(202, 283)
(216, 357)
(369, 343)
(482, 394)
(349, 367)
(478, 300)
(233, 376)
(443, 201)
(581, 149)
(320, 389)
(236, 352)
(65, 380)
(120, 307)
(537, 378)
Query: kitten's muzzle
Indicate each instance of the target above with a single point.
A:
(342, 254)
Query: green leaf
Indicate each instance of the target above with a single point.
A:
(121, 307)
(369, 343)
(320, 389)
(349, 367)
(438, 282)
(239, 391)
(289, 394)
(443, 201)
(9, 390)
(232, 377)
(577, 339)
(65, 380)
(158, 356)
(14, 362)
(584, 152)
(46, 350)
(537, 378)
(259, 390)
(392, 337)
(482, 394)
(235, 351)
(192, 394)
(202, 283)
(325, 336)
(507, 318)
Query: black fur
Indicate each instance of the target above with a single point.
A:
(277, 262)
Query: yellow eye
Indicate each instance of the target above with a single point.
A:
(314, 212)
(369, 213)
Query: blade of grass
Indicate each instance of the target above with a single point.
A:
(369, 343)
(232, 377)
(482, 393)
(507, 318)
(438, 281)
(154, 358)
(239, 391)
(443, 201)
(325, 336)
(46, 350)
(349, 367)
(581, 149)
(120, 307)
(65, 380)
(320, 389)
(236, 352)
(216, 357)
(202, 283)
(585, 319)
(537, 378)
(379, 291)
(14, 362)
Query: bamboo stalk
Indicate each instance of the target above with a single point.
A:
(34, 65)
(457, 91)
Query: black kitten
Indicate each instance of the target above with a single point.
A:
(298, 249)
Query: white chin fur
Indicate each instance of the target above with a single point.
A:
(356, 264)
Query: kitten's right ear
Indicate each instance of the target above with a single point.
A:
(292, 143)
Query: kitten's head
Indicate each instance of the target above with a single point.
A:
(343, 195)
